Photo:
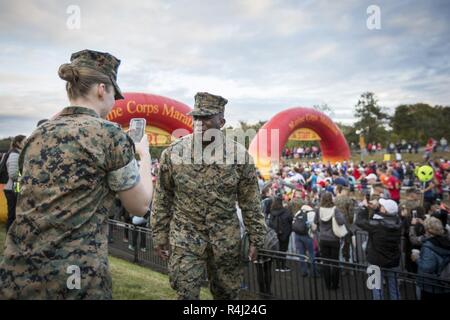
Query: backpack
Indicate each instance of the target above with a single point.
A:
(4, 177)
(276, 224)
(300, 223)
(265, 206)
(271, 241)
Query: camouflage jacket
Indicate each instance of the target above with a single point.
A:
(409, 205)
(72, 167)
(195, 204)
(346, 205)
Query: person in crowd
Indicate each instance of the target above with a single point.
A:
(281, 222)
(441, 212)
(379, 148)
(409, 175)
(312, 181)
(429, 194)
(393, 185)
(417, 234)
(429, 147)
(346, 205)
(329, 242)
(416, 147)
(410, 147)
(438, 179)
(391, 148)
(139, 223)
(301, 225)
(374, 148)
(288, 153)
(295, 202)
(444, 144)
(409, 209)
(266, 202)
(416, 228)
(383, 248)
(261, 182)
(11, 188)
(264, 264)
(433, 261)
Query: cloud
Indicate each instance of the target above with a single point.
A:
(263, 56)
(11, 126)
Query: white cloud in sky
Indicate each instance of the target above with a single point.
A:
(262, 55)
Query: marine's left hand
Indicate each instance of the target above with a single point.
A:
(252, 253)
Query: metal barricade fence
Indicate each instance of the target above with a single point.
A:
(134, 244)
(327, 279)
(360, 246)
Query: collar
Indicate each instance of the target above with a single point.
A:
(70, 110)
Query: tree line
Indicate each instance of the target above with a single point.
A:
(410, 122)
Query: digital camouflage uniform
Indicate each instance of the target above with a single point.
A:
(194, 210)
(410, 204)
(407, 246)
(72, 167)
(346, 206)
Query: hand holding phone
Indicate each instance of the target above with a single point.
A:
(137, 134)
(137, 129)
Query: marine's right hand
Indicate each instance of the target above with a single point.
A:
(142, 147)
(162, 251)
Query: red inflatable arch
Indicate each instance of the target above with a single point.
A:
(161, 113)
(333, 143)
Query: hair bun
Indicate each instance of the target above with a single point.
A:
(68, 72)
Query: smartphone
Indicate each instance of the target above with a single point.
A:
(137, 129)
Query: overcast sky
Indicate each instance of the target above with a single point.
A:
(262, 55)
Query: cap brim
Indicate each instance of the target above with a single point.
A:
(118, 93)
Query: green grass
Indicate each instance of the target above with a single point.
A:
(133, 282)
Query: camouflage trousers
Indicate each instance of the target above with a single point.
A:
(25, 279)
(187, 273)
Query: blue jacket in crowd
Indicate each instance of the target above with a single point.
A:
(434, 254)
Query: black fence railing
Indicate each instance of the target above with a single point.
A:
(134, 244)
(334, 280)
(326, 279)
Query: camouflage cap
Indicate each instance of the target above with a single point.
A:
(207, 104)
(100, 61)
